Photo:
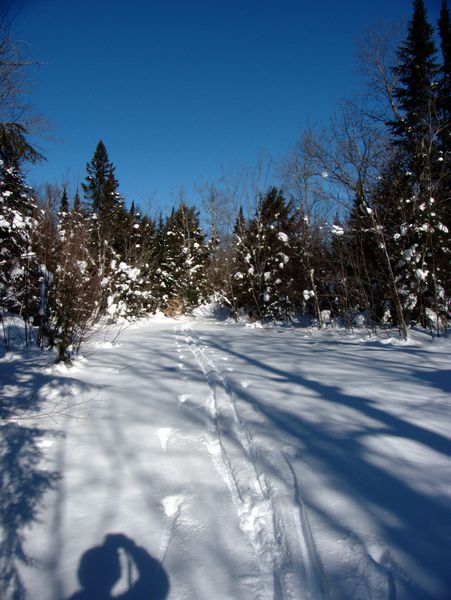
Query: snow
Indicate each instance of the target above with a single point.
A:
(337, 230)
(421, 274)
(256, 462)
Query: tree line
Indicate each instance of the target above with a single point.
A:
(356, 227)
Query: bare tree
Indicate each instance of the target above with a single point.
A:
(301, 177)
(16, 117)
(378, 60)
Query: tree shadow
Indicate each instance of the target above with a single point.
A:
(23, 484)
(29, 396)
(414, 522)
(438, 379)
(118, 560)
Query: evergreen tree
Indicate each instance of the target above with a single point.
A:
(14, 147)
(444, 104)
(264, 258)
(417, 71)
(18, 265)
(418, 215)
(105, 202)
(64, 204)
(101, 184)
(181, 275)
(77, 208)
(132, 278)
(445, 83)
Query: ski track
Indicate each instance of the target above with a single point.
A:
(275, 524)
(171, 506)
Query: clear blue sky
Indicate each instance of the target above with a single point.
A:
(177, 88)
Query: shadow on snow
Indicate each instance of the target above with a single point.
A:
(24, 476)
(414, 523)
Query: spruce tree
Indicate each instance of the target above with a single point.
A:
(64, 204)
(417, 226)
(417, 72)
(264, 258)
(101, 184)
(444, 26)
(19, 292)
(444, 104)
(182, 272)
(77, 208)
(104, 200)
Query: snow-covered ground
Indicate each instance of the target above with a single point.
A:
(236, 462)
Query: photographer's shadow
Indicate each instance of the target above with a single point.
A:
(101, 569)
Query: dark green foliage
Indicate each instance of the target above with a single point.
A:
(101, 185)
(64, 205)
(105, 202)
(14, 147)
(417, 73)
(18, 264)
(445, 71)
(264, 258)
(415, 205)
(181, 275)
(77, 208)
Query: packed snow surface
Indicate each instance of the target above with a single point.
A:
(236, 463)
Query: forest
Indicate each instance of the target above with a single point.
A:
(352, 227)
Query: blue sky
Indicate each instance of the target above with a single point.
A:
(178, 89)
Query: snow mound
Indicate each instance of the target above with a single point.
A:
(211, 310)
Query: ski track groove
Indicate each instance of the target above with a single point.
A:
(235, 457)
(312, 563)
(171, 525)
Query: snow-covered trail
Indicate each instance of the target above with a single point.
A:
(269, 464)
(288, 564)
